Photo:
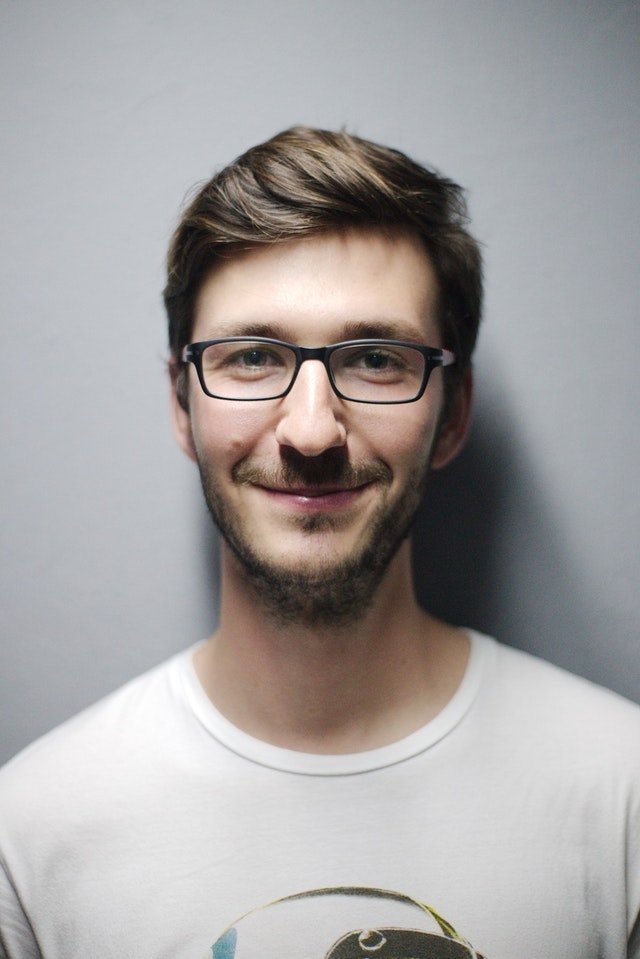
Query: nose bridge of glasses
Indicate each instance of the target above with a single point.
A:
(312, 353)
(319, 353)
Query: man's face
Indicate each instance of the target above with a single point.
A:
(311, 489)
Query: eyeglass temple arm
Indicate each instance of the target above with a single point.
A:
(448, 358)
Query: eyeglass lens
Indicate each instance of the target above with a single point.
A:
(378, 372)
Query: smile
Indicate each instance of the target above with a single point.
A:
(315, 497)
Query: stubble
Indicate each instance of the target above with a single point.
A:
(333, 594)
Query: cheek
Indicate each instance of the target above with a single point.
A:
(226, 432)
(402, 436)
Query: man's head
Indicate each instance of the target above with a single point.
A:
(304, 182)
(314, 485)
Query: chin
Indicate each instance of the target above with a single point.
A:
(307, 557)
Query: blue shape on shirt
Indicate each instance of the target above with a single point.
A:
(225, 946)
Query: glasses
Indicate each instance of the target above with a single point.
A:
(361, 371)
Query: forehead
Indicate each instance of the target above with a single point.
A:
(319, 289)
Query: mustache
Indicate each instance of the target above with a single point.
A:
(330, 468)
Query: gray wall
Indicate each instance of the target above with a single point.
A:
(111, 111)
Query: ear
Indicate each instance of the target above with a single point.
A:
(180, 415)
(455, 427)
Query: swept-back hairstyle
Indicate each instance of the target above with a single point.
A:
(306, 181)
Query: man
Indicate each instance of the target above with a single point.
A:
(334, 766)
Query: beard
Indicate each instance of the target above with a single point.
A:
(336, 594)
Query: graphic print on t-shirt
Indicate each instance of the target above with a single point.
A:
(349, 922)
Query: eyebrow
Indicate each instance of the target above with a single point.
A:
(381, 330)
(249, 328)
(352, 330)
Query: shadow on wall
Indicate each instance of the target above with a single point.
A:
(489, 554)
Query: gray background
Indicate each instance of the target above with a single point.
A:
(112, 111)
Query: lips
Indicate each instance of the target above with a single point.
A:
(313, 491)
(314, 498)
(325, 483)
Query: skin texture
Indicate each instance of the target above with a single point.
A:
(315, 495)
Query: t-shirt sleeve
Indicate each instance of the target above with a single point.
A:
(16, 936)
(633, 855)
(633, 949)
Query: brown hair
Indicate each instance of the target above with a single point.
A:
(306, 181)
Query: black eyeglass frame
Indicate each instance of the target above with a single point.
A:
(433, 357)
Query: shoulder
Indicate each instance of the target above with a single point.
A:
(91, 750)
(566, 715)
(551, 686)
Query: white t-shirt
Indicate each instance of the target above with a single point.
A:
(148, 824)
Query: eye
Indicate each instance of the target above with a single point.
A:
(377, 360)
(372, 361)
(254, 358)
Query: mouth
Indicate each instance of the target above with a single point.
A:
(315, 497)
(318, 485)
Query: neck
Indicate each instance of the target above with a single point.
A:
(331, 689)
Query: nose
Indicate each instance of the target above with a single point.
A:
(310, 420)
